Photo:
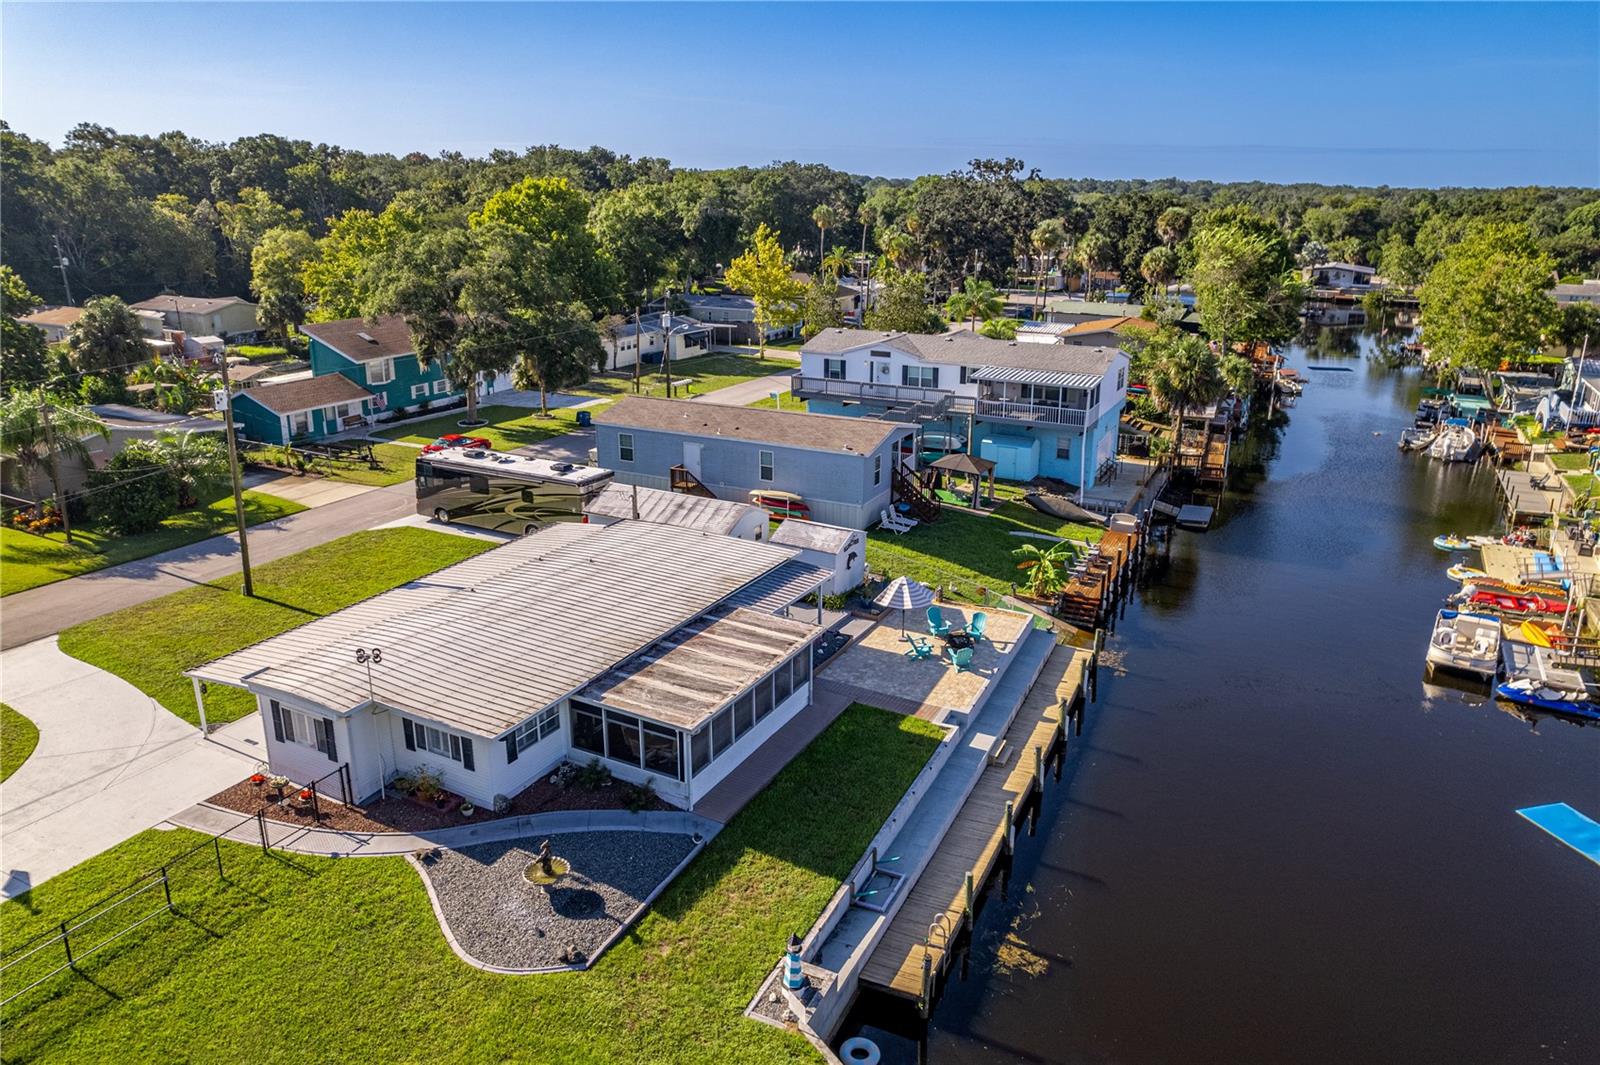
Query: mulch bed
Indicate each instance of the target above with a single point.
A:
(403, 814)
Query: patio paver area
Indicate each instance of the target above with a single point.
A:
(877, 662)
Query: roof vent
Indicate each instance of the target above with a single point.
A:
(561, 467)
(367, 337)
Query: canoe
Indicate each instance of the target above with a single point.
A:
(1529, 692)
(1450, 542)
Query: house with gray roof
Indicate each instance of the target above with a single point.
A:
(1039, 407)
(229, 317)
(841, 468)
(665, 653)
(297, 409)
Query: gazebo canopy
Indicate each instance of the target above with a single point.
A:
(961, 462)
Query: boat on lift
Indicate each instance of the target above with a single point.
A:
(1455, 442)
(1466, 643)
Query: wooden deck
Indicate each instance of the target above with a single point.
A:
(975, 841)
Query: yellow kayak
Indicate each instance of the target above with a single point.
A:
(1535, 634)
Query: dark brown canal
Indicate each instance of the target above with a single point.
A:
(1273, 842)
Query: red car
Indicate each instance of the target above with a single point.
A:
(450, 440)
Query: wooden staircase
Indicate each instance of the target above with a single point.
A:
(686, 482)
(905, 488)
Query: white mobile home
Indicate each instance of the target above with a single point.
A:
(556, 645)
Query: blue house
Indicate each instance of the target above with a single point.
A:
(379, 357)
(308, 408)
(1035, 409)
(842, 468)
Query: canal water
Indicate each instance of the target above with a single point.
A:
(1274, 842)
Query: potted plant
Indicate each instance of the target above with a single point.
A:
(467, 809)
(279, 781)
(259, 777)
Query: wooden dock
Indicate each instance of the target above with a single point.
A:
(905, 962)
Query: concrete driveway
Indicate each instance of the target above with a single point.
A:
(111, 762)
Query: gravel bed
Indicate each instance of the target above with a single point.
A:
(500, 919)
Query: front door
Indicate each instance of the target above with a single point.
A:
(691, 458)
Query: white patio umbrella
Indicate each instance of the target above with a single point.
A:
(904, 594)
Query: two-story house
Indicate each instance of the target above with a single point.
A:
(1033, 408)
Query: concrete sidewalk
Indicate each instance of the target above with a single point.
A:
(307, 491)
(747, 392)
(111, 762)
(40, 612)
(331, 843)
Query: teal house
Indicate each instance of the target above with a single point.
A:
(378, 356)
(302, 410)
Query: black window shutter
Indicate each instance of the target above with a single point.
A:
(333, 745)
(466, 754)
(411, 739)
(935, 377)
(511, 748)
(455, 747)
(277, 720)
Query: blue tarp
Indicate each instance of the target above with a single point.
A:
(1569, 826)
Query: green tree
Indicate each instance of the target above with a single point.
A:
(1245, 284)
(1094, 250)
(836, 263)
(1184, 373)
(1047, 241)
(822, 305)
(824, 217)
(134, 492)
(1172, 226)
(23, 360)
(564, 356)
(196, 461)
(25, 440)
(246, 220)
(180, 388)
(763, 274)
(107, 338)
(999, 328)
(1043, 568)
(554, 216)
(277, 277)
(1158, 267)
(341, 279)
(1488, 299)
(975, 300)
(1238, 373)
(1401, 264)
(640, 230)
(1577, 323)
(901, 302)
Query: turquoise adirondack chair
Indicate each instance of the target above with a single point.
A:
(937, 625)
(961, 659)
(919, 649)
(978, 625)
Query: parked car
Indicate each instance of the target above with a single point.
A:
(450, 440)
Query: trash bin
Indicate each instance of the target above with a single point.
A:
(584, 419)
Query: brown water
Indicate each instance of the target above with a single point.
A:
(1274, 842)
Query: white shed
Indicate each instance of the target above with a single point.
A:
(840, 551)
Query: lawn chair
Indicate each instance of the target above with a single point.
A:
(961, 659)
(893, 524)
(920, 649)
(905, 521)
(978, 624)
(937, 625)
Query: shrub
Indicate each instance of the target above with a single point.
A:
(638, 797)
(592, 776)
(133, 492)
(99, 388)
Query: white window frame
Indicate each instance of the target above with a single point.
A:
(766, 465)
(299, 422)
(919, 376)
(380, 372)
(440, 387)
(877, 469)
(437, 741)
(300, 728)
(625, 450)
(419, 391)
(829, 366)
(532, 732)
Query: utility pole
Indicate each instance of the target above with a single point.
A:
(666, 341)
(61, 261)
(638, 349)
(233, 471)
(55, 469)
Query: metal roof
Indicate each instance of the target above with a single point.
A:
(779, 588)
(1035, 377)
(485, 644)
(674, 508)
(698, 670)
(814, 535)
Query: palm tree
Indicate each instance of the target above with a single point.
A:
(1047, 240)
(1172, 225)
(1238, 373)
(179, 388)
(837, 262)
(1043, 568)
(1092, 250)
(976, 300)
(27, 441)
(1184, 372)
(1158, 267)
(825, 218)
(197, 461)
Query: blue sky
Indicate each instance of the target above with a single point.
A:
(1479, 94)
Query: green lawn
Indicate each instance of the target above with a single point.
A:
(27, 561)
(298, 959)
(150, 645)
(709, 373)
(967, 550)
(784, 402)
(508, 428)
(1583, 484)
(18, 738)
(395, 463)
(1568, 460)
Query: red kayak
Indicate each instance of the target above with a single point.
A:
(1518, 604)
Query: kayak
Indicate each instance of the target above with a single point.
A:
(1516, 604)
(1450, 542)
(1529, 692)
(1463, 572)
(1535, 634)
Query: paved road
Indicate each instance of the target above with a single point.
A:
(110, 763)
(39, 612)
(747, 392)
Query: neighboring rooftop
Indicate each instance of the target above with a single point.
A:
(729, 300)
(819, 432)
(684, 679)
(673, 508)
(1590, 289)
(1104, 325)
(813, 536)
(503, 463)
(1352, 267)
(283, 396)
(486, 643)
(189, 304)
(966, 348)
(361, 340)
(123, 416)
(63, 316)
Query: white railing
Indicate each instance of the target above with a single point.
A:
(1029, 412)
(828, 386)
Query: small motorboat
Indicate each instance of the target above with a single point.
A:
(1455, 442)
(1415, 439)
(1463, 572)
(1526, 691)
(1466, 643)
(1450, 542)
